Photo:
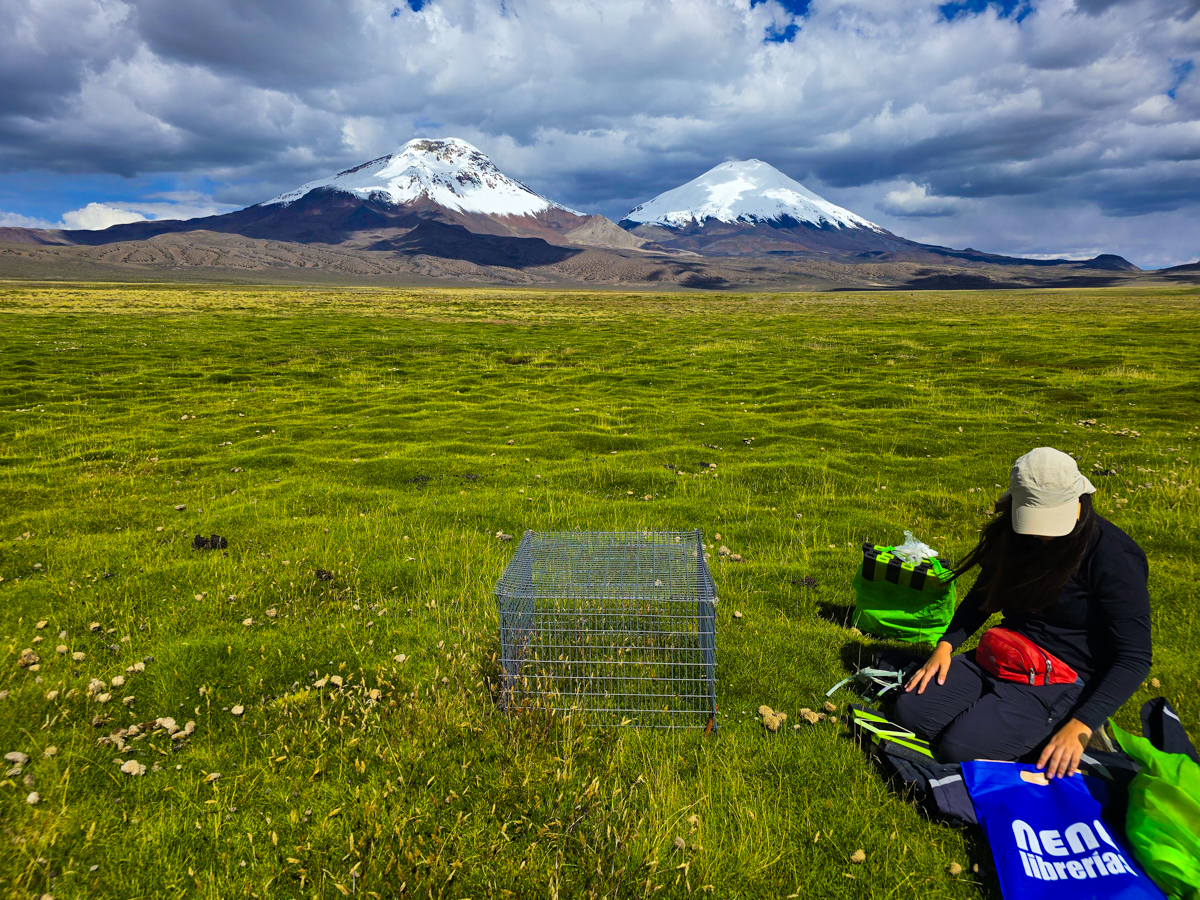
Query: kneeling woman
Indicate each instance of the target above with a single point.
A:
(1074, 643)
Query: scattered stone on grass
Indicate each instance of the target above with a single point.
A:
(830, 707)
(34, 798)
(503, 536)
(133, 767)
(40, 625)
(128, 701)
(858, 857)
(373, 694)
(771, 719)
(51, 696)
(95, 686)
(167, 723)
(400, 657)
(955, 869)
(50, 752)
(737, 613)
(272, 613)
(211, 777)
(180, 507)
(736, 557)
(723, 551)
(335, 680)
(28, 658)
(238, 710)
(117, 680)
(247, 622)
(1155, 683)
(79, 656)
(17, 758)
(510, 442)
(138, 666)
(94, 627)
(680, 843)
(103, 698)
(809, 716)
(61, 649)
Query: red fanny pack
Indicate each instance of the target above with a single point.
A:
(1014, 657)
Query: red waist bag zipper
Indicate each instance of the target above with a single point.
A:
(1014, 657)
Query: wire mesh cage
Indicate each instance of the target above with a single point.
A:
(620, 625)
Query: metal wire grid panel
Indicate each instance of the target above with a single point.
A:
(620, 625)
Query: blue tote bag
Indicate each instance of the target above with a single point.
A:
(1047, 836)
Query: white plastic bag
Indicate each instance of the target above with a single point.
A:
(913, 551)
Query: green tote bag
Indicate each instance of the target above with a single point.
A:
(1163, 819)
(895, 599)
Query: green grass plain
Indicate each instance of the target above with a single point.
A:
(367, 433)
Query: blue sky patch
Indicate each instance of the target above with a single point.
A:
(1180, 69)
(1006, 8)
(796, 8)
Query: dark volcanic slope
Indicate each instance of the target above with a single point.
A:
(787, 236)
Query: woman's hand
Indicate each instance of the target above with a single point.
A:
(938, 664)
(1060, 758)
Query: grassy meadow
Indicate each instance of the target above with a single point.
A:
(384, 438)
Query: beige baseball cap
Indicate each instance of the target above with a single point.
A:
(1045, 486)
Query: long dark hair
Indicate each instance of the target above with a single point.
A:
(1024, 578)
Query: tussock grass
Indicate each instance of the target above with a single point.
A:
(364, 433)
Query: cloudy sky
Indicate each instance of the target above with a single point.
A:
(1035, 127)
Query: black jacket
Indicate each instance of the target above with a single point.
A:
(1099, 626)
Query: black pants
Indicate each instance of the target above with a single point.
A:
(977, 716)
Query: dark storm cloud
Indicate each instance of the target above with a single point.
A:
(946, 114)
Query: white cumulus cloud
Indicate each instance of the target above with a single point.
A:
(915, 200)
(96, 216)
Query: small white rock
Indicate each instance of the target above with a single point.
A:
(34, 798)
(238, 710)
(133, 767)
(118, 680)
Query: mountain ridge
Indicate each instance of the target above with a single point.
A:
(445, 198)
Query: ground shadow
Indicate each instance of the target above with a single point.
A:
(840, 614)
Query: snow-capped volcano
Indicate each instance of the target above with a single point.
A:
(447, 172)
(748, 191)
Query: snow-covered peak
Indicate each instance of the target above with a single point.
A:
(448, 171)
(747, 191)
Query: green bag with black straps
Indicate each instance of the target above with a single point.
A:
(902, 601)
